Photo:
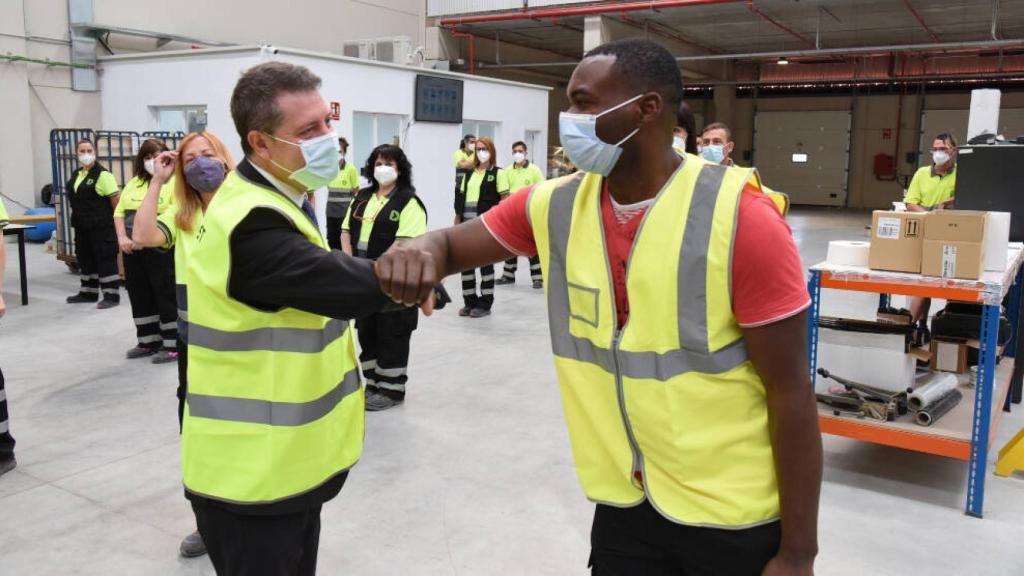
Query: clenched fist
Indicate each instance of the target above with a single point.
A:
(407, 274)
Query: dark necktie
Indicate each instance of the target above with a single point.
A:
(307, 207)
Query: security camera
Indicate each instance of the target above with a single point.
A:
(268, 49)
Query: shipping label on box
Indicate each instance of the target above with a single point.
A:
(896, 241)
(952, 259)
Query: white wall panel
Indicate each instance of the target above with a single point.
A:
(133, 86)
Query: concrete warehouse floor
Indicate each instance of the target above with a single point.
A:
(473, 476)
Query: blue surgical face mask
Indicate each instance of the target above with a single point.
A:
(578, 134)
(321, 155)
(713, 153)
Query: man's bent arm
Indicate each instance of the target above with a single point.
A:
(779, 354)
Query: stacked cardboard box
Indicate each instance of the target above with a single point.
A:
(945, 243)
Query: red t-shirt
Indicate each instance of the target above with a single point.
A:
(767, 279)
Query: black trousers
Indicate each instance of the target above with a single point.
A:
(512, 265)
(149, 279)
(96, 251)
(6, 440)
(384, 339)
(485, 298)
(639, 540)
(182, 391)
(334, 232)
(257, 545)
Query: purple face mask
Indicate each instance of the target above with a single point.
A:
(205, 174)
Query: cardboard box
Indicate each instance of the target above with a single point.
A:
(868, 357)
(949, 356)
(954, 244)
(897, 240)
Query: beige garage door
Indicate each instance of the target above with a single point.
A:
(804, 154)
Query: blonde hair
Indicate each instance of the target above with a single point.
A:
(189, 199)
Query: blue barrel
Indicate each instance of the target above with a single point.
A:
(42, 230)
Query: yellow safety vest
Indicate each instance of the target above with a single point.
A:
(274, 406)
(672, 397)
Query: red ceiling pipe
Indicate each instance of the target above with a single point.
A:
(779, 25)
(920, 21)
(472, 48)
(614, 8)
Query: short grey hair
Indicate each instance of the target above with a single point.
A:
(254, 100)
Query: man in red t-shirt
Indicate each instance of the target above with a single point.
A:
(768, 297)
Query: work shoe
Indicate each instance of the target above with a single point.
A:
(479, 313)
(193, 546)
(139, 352)
(465, 311)
(82, 299)
(377, 401)
(503, 281)
(106, 304)
(538, 284)
(7, 465)
(164, 357)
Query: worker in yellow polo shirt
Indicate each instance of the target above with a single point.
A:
(933, 187)
(339, 195)
(385, 212)
(522, 174)
(464, 158)
(148, 272)
(480, 191)
(92, 193)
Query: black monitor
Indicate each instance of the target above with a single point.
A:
(988, 178)
(438, 99)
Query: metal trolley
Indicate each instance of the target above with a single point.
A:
(115, 150)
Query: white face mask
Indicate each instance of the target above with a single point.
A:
(518, 157)
(385, 174)
(150, 165)
(940, 157)
(86, 159)
(679, 142)
(483, 155)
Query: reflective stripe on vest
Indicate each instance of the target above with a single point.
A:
(694, 355)
(272, 413)
(299, 340)
(667, 408)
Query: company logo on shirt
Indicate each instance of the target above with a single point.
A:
(394, 216)
(90, 181)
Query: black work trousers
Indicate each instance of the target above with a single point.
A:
(96, 252)
(512, 265)
(182, 391)
(485, 298)
(149, 279)
(384, 342)
(639, 540)
(258, 545)
(6, 440)
(334, 232)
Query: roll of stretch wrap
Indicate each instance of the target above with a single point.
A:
(935, 388)
(931, 413)
(997, 240)
(848, 253)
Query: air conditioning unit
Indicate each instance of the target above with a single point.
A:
(395, 50)
(359, 49)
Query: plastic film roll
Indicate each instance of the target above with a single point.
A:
(848, 252)
(931, 413)
(936, 386)
(997, 240)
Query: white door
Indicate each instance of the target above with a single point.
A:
(804, 154)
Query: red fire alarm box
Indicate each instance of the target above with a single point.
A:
(885, 167)
(335, 110)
